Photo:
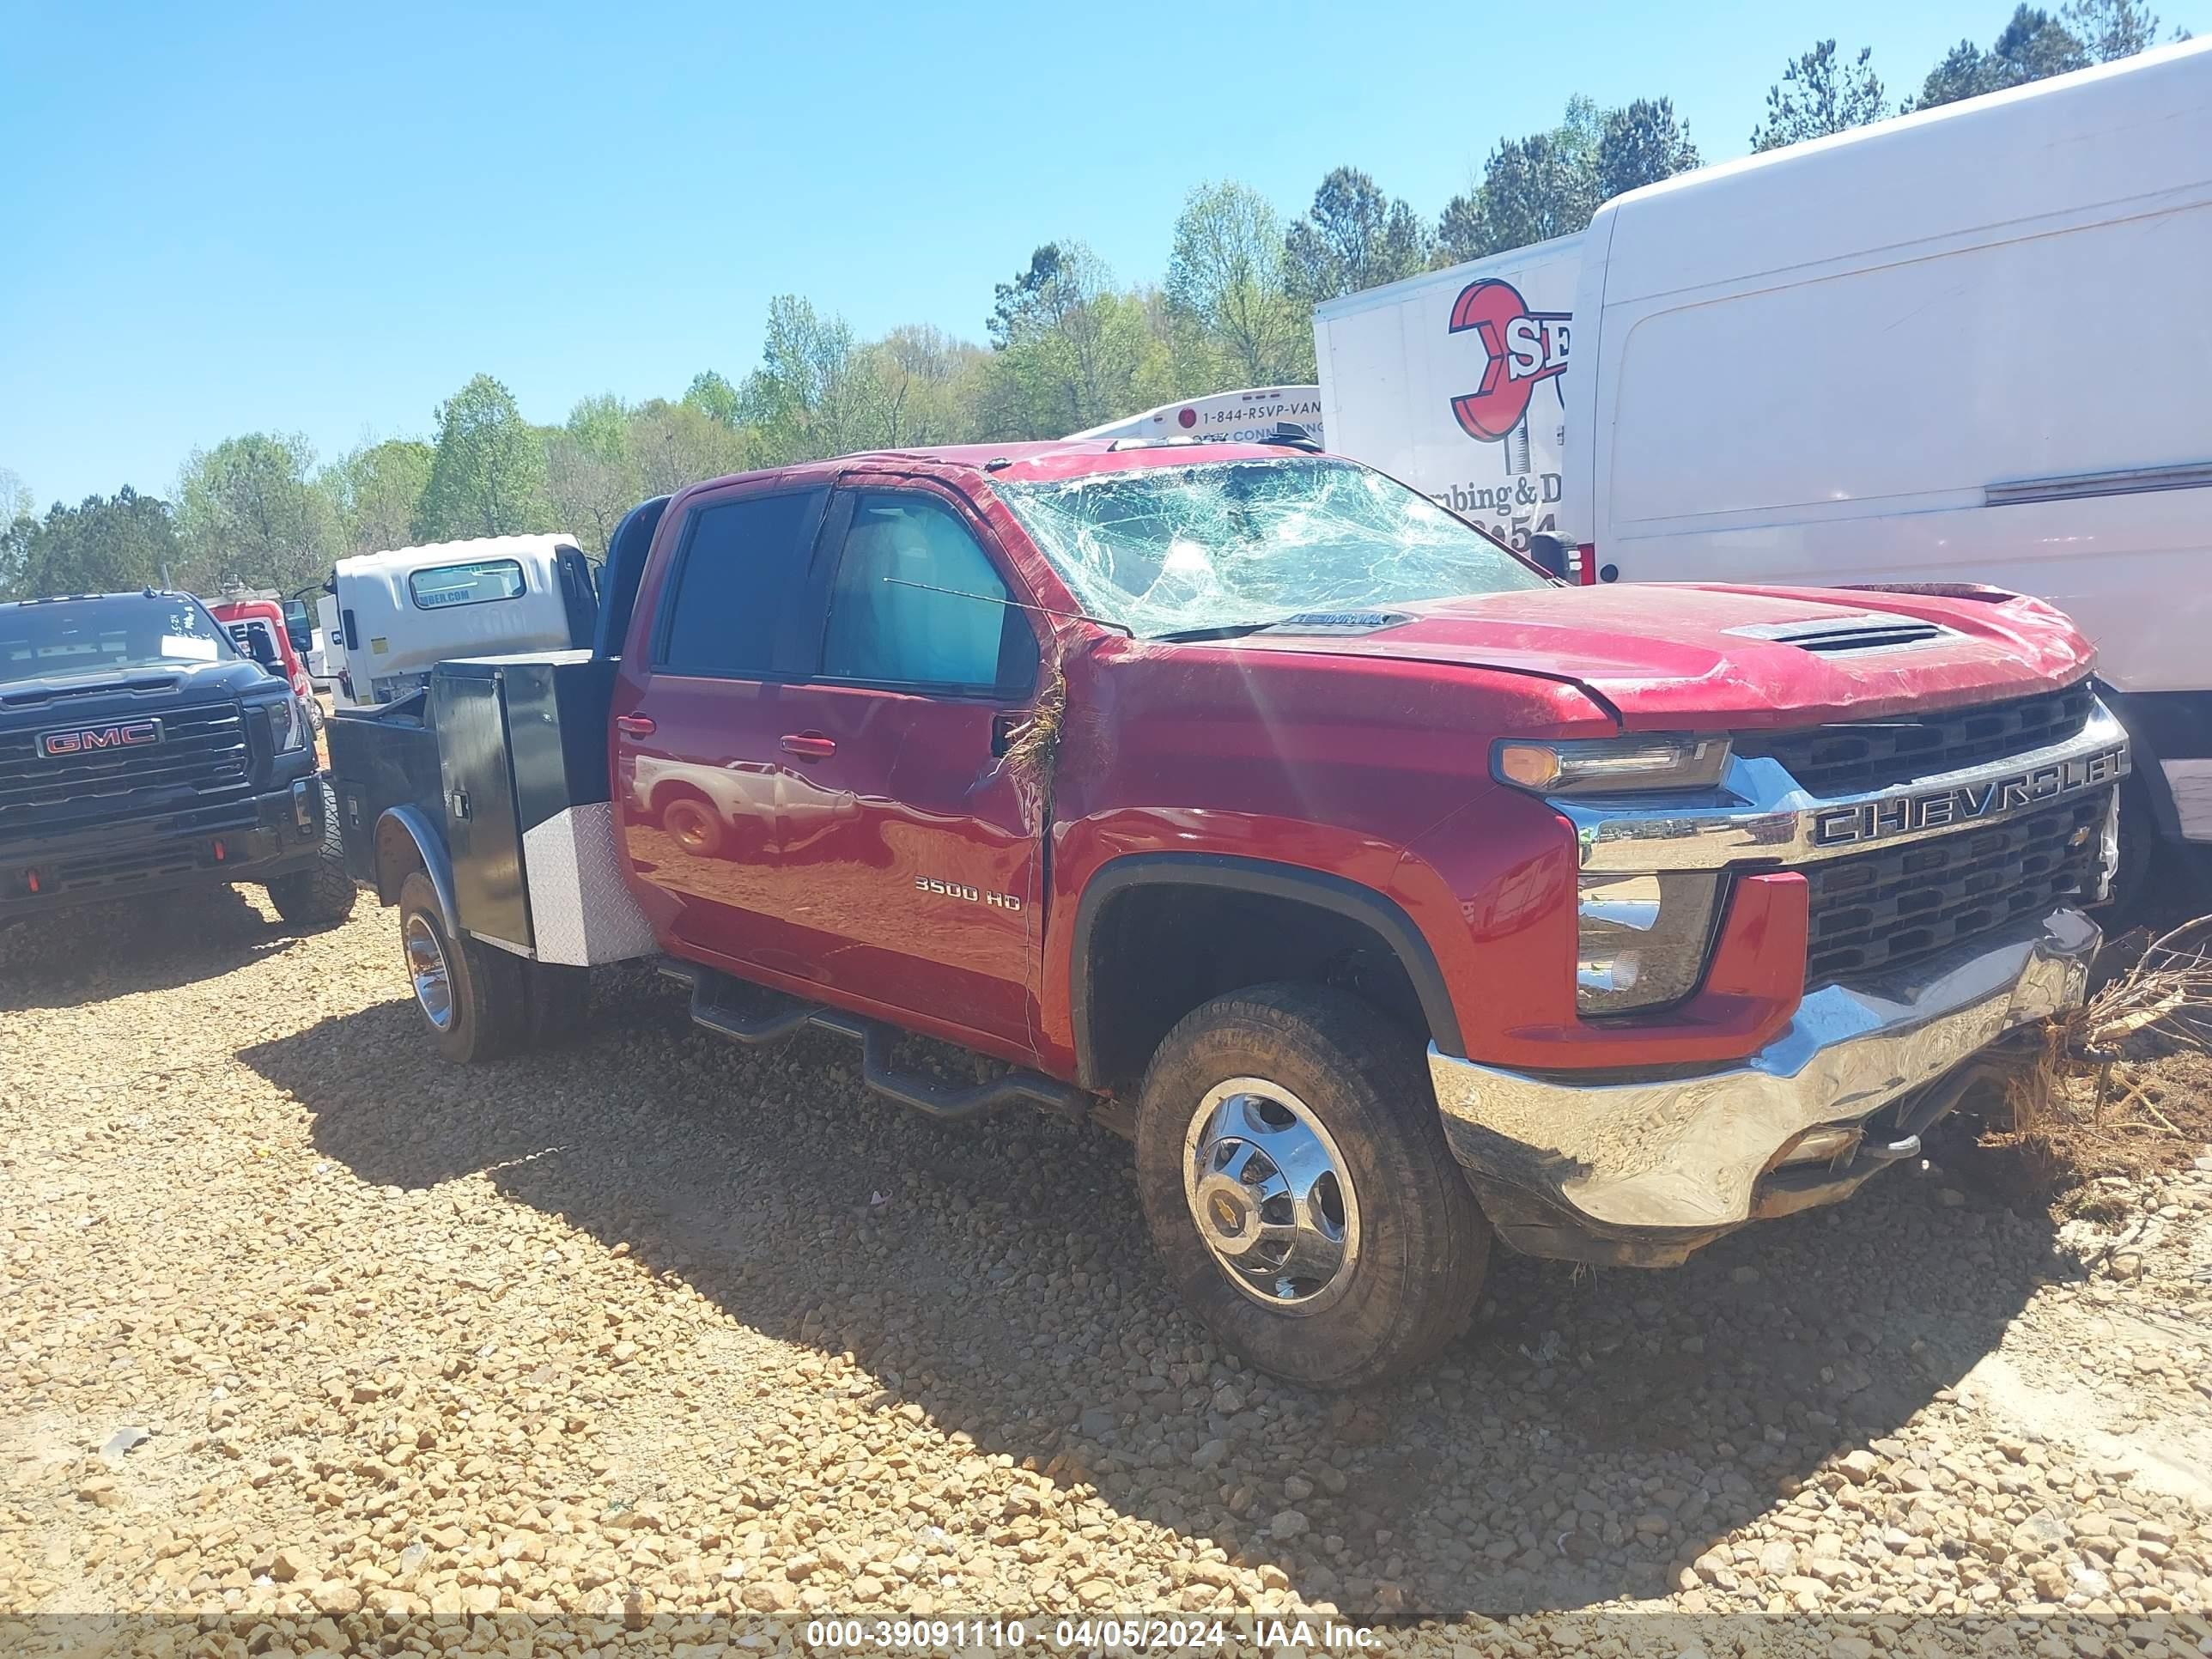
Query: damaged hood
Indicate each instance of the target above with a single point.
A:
(1683, 655)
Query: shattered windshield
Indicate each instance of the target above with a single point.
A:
(1228, 545)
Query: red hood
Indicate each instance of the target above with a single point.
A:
(1668, 655)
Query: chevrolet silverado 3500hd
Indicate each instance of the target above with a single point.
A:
(1390, 892)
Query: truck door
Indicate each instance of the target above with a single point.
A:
(909, 865)
(699, 708)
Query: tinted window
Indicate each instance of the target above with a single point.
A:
(741, 562)
(916, 602)
(446, 586)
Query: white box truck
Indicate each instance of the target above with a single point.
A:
(1968, 346)
(1452, 382)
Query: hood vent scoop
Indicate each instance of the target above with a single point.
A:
(1856, 636)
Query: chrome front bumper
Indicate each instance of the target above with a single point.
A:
(1664, 1165)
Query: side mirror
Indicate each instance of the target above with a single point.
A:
(275, 668)
(1550, 553)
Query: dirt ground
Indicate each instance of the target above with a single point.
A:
(310, 1341)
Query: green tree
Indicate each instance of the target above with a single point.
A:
(1073, 352)
(1532, 189)
(375, 491)
(487, 471)
(105, 544)
(2111, 29)
(2032, 46)
(1820, 94)
(15, 499)
(1353, 237)
(1013, 302)
(1227, 285)
(589, 471)
(928, 386)
(713, 397)
(814, 395)
(1640, 145)
(247, 509)
(672, 445)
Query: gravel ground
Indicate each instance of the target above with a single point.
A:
(299, 1324)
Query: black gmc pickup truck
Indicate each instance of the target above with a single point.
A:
(140, 752)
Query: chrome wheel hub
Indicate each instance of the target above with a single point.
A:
(1271, 1196)
(426, 966)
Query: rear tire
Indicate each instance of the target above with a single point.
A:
(690, 820)
(321, 896)
(1389, 1247)
(473, 998)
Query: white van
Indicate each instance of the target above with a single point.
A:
(1972, 345)
(1230, 417)
(400, 613)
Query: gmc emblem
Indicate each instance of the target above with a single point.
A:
(90, 739)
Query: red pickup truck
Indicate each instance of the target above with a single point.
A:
(1392, 894)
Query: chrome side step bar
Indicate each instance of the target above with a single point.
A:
(714, 1006)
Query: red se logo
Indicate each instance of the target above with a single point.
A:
(1524, 347)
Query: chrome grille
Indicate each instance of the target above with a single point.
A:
(1872, 911)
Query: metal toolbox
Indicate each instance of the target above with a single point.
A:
(522, 752)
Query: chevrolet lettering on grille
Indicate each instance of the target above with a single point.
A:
(1870, 821)
(94, 739)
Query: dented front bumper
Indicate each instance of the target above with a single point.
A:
(1644, 1170)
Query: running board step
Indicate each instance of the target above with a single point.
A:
(714, 1005)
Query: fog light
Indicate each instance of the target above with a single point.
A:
(302, 813)
(1641, 940)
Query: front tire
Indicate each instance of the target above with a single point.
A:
(1295, 1178)
(321, 896)
(472, 998)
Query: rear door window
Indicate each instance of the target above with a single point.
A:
(738, 574)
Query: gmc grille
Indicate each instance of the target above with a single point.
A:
(201, 763)
(1851, 759)
(1875, 911)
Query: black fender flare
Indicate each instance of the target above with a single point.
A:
(430, 850)
(1384, 916)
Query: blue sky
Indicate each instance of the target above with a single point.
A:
(236, 217)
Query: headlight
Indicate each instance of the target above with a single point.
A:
(287, 725)
(1641, 940)
(1609, 766)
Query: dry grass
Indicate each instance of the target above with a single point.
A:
(1036, 746)
(2124, 1085)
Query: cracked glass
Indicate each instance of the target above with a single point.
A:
(1235, 546)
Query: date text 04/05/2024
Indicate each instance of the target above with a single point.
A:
(895, 1634)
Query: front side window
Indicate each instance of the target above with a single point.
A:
(916, 602)
(56, 638)
(740, 566)
(443, 586)
(1231, 545)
